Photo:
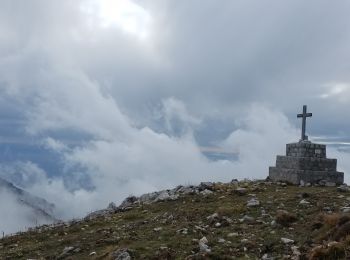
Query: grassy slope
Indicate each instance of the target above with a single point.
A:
(134, 229)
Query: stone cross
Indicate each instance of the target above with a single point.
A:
(304, 115)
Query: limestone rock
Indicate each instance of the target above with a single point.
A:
(287, 240)
(253, 203)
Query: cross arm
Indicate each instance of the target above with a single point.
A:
(306, 115)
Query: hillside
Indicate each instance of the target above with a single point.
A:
(38, 209)
(247, 219)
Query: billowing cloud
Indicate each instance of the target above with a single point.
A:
(126, 102)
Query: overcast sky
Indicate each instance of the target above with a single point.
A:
(107, 98)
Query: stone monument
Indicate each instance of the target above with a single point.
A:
(306, 162)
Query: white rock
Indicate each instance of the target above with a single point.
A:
(295, 251)
(203, 247)
(221, 240)
(157, 229)
(206, 192)
(345, 209)
(213, 216)
(218, 224)
(92, 253)
(253, 203)
(304, 202)
(287, 240)
(247, 219)
(204, 240)
(233, 234)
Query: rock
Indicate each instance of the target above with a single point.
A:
(343, 188)
(345, 209)
(218, 224)
(166, 196)
(287, 240)
(206, 186)
(148, 197)
(247, 219)
(304, 202)
(253, 203)
(221, 240)
(322, 183)
(234, 234)
(157, 229)
(214, 216)
(121, 254)
(206, 192)
(204, 240)
(66, 252)
(302, 183)
(129, 201)
(226, 221)
(182, 231)
(92, 253)
(241, 191)
(296, 252)
(187, 190)
(112, 206)
(234, 182)
(203, 247)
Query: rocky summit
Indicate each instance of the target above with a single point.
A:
(240, 219)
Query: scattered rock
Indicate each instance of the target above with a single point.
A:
(214, 216)
(203, 247)
(247, 219)
(183, 231)
(206, 192)
(221, 240)
(66, 252)
(112, 206)
(304, 202)
(345, 209)
(121, 254)
(287, 240)
(253, 203)
(206, 186)
(343, 188)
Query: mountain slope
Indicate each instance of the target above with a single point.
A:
(219, 221)
(39, 210)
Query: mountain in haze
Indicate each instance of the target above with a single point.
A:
(39, 210)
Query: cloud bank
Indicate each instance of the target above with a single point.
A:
(124, 114)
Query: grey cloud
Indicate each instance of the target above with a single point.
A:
(214, 72)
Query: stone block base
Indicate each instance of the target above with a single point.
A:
(294, 176)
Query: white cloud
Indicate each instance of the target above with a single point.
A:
(337, 90)
(64, 75)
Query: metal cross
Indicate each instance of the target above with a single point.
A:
(304, 115)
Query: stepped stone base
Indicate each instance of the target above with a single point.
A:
(307, 176)
(307, 162)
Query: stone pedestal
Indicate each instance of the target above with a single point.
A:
(307, 162)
